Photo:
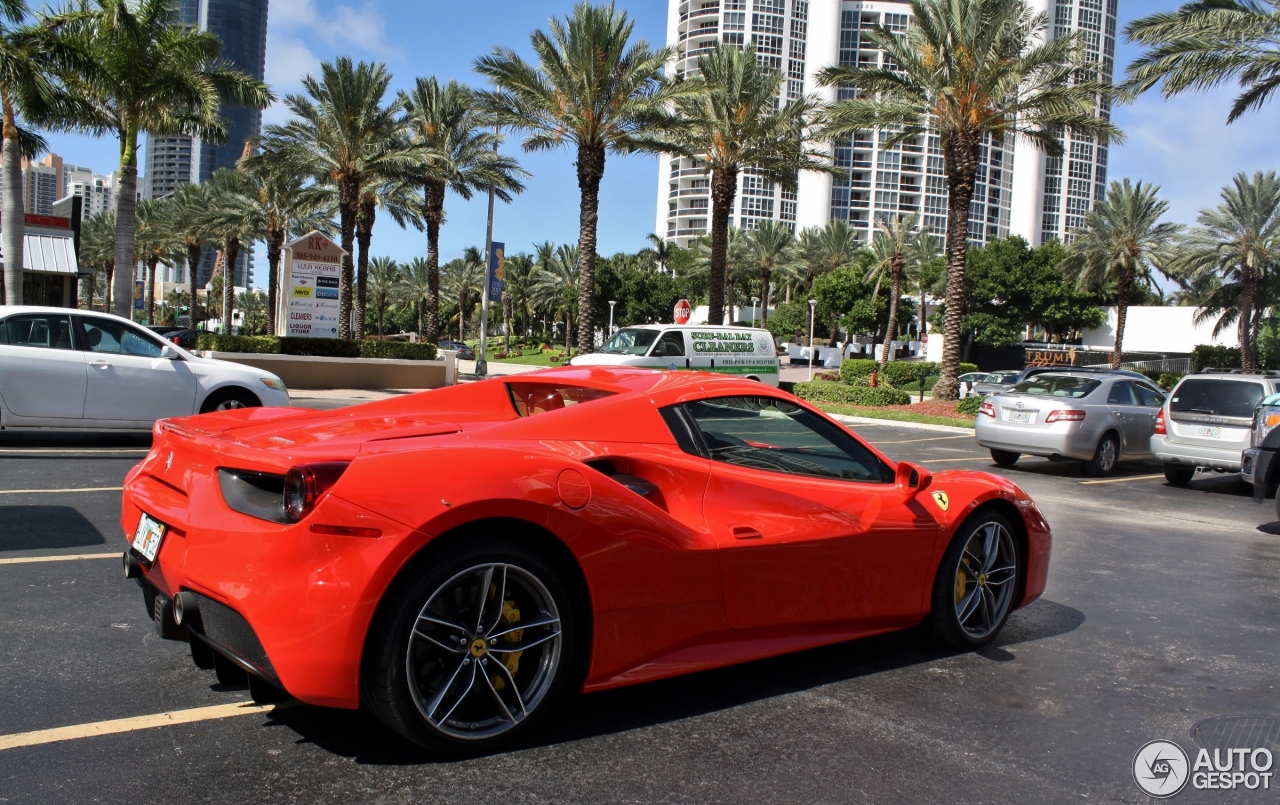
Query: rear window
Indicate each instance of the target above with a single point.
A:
(530, 399)
(1001, 377)
(1056, 386)
(1219, 397)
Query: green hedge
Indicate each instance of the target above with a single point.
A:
(1167, 380)
(1205, 356)
(898, 373)
(855, 368)
(969, 405)
(316, 347)
(827, 391)
(966, 368)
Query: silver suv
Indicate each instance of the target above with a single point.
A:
(1207, 420)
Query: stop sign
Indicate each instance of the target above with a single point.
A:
(683, 311)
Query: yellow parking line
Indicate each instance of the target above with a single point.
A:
(930, 439)
(23, 560)
(1122, 480)
(936, 460)
(37, 737)
(43, 491)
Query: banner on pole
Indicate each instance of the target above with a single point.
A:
(139, 295)
(497, 260)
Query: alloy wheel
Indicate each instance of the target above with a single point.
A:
(483, 651)
(1107, 455)
(985, 574)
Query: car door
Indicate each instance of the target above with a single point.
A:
(1131, 418)
(668, 352)
(128, 380)
(42, 374)
(810, 528)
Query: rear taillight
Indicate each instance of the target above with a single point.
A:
(174, 339)
(1160, 423)
(988, 409)
(1064, 416)
(306, 484)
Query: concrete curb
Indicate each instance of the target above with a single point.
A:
(864, 420)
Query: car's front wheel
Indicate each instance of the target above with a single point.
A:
(1179, 476)
(229, 399)
(1105, 456)
(977, 580)
(472, 651)
(1005, 458)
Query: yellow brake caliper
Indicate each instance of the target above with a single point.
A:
(960, 582)
(510, 617)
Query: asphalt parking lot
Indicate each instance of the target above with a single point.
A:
(1162, 609)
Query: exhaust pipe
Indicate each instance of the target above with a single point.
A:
(132, 567)
(186, 608)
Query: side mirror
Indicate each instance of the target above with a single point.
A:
(911, 480)
(169, 353)
(660, 350)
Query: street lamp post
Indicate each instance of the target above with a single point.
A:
(755, 300)
(482, 365)
(813, 305)
(612, 302)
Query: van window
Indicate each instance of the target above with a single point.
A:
(670, 345)
(630, 341)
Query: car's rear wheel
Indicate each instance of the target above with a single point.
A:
(1105, 457)
(229, 399)
(974, 590)
(1179, 476)
(1005, 458)
(472, 651)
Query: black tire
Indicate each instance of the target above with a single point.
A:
(963, 574)
(1178, 475)
(1105, 457)
(1005, 458)
(406, 657)
(228, 399)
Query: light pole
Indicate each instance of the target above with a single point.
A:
(612, 302)
(755, 300)
(813, 305)
(482, 365)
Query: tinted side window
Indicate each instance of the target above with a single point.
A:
(767, 434)
(44, 330)
(118, 338)
(1150, 397)
(670, 345)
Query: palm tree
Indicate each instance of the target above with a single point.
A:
(233, 218)
(517, 288)
(384, 277)
(926, 250)
(343, 136)
(462, 279)
(555, 287)
(190, 223)
(98, 252)
(156, 245)
(138, 69)
(282, 205)
(398, 196)
(174, 301)
(660, 250)
(735, 124)
(891, 245)
(414, 287)
(969, 71)
(253, 311)
(1238, 244)
(768, 247)
(1121, 241)
(214, 296)
(594, 91)
(1205, 44)
(463, 158)
(737, 267)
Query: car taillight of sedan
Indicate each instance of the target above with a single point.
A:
(988, 409)
(1064, 416)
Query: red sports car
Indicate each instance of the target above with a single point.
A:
(454, 560)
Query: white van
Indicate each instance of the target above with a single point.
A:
(745, 351)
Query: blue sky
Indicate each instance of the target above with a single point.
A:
(1182, 145)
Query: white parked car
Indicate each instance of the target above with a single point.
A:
(67, 368)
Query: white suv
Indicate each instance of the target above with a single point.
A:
(1207, 420)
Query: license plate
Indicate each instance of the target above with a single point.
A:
(147, 537)
(1020, 416)
(1209, 433)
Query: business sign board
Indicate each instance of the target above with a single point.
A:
(496, 270)
(313, 265)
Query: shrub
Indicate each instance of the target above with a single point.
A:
(902, 374)
(257, 344)
(822, 391)
(1151, 374)
(969, 405)
(966, 368)
(1168, 380)
(398, 350)
(320, 347)
(855, 368)
(1206, 356)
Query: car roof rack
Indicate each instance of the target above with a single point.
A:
(1213, 370)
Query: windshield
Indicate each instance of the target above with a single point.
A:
(632, 341)
(1001, 377)
(1221, 397)
(1056, 386)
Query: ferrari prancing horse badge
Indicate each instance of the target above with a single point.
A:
(940, 498)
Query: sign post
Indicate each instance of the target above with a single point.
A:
(683, 312)
(310, 300)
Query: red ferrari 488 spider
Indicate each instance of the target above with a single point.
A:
(456, 559)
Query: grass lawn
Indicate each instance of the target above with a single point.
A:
(894, 414)
(530, 359)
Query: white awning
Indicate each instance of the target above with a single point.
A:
(49, 254)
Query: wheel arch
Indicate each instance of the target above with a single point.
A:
(225, 385)
(1011, 513)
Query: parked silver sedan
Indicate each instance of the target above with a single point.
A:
(1096, 418)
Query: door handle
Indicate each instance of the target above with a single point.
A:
(746, 532)
(101, 364)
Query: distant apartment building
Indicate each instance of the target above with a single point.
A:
(51, 179)
(241, 27)
(1018, 189)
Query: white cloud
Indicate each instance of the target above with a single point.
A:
(1185, 146)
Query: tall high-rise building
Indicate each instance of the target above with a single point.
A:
(1015, 182)
(241, 27)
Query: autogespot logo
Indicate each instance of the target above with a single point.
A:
(1160, 768)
